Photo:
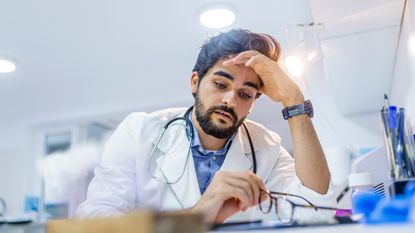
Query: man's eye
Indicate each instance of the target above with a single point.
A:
(245, 96)
(220, 85)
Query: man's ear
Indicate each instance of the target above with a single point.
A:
(194, 82)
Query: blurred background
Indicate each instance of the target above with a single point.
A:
(75, 69)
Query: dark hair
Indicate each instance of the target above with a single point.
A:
(234, 42)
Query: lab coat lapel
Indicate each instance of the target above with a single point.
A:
(175, 159)
(239, 157)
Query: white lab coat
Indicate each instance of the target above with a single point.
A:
(123, 184)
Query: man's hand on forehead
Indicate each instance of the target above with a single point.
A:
(243, 58)
(277, 85)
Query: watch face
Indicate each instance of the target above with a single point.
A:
(300, 109)
(296, 111)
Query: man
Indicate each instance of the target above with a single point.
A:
(232, 70)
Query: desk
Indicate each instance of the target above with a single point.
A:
(22, 228)
(346, 228)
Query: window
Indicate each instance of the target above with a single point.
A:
(55, 142)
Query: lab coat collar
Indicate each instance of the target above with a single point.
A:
(239, 157)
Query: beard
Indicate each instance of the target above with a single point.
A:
(204, 117)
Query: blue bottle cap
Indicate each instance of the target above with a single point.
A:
(393, 117)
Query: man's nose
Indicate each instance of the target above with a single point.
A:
(229, 99)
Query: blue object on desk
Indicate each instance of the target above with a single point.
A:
(390, 211)
(377, 210)
(410, 189)
(365, 202)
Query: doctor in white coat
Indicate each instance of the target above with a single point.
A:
(232, 70)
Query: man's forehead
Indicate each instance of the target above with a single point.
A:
(239, 72)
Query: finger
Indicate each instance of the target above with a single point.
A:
(246, 180)
(233, 186)
(261, 183)
(264, 196)
(242, 57)
(257, 193)
(250, 182)
(253, 180)
(246, 55)
(240, 195)
(235, 62)
(252, 61)
(242, 183)
(259, 187)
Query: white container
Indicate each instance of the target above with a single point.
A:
(362, 180)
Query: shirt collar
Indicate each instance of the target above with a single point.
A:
(196, 144)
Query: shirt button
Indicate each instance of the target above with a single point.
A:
(214, 157)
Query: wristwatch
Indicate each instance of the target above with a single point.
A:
(300, 109)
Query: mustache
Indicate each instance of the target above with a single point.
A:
(225, 109)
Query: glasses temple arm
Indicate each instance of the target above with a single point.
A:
(293, 195)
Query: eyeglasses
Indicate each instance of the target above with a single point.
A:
(284, 208)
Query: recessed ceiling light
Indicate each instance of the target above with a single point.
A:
(218, 17)
(6, 66)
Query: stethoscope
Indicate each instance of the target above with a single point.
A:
(190, 133)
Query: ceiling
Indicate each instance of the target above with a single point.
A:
(82, 54)
(80, 58)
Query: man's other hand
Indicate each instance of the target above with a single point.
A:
(228, 193)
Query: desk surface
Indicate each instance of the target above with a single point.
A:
(346, 228)
(23, 228)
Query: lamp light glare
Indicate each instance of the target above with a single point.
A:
(294, 65)
(411, 44)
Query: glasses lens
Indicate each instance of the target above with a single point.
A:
(284, 210)
(265, 203)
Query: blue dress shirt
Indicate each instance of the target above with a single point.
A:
(207, 162)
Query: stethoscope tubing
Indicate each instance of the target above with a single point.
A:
(190, 133)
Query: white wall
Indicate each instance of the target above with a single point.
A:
(20, 144)
(341, 136)
(12, 163)
(335, 129)
(403, 84)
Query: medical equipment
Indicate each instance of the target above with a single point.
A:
(189, 132)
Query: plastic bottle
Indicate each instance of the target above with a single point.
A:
(358, 183)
